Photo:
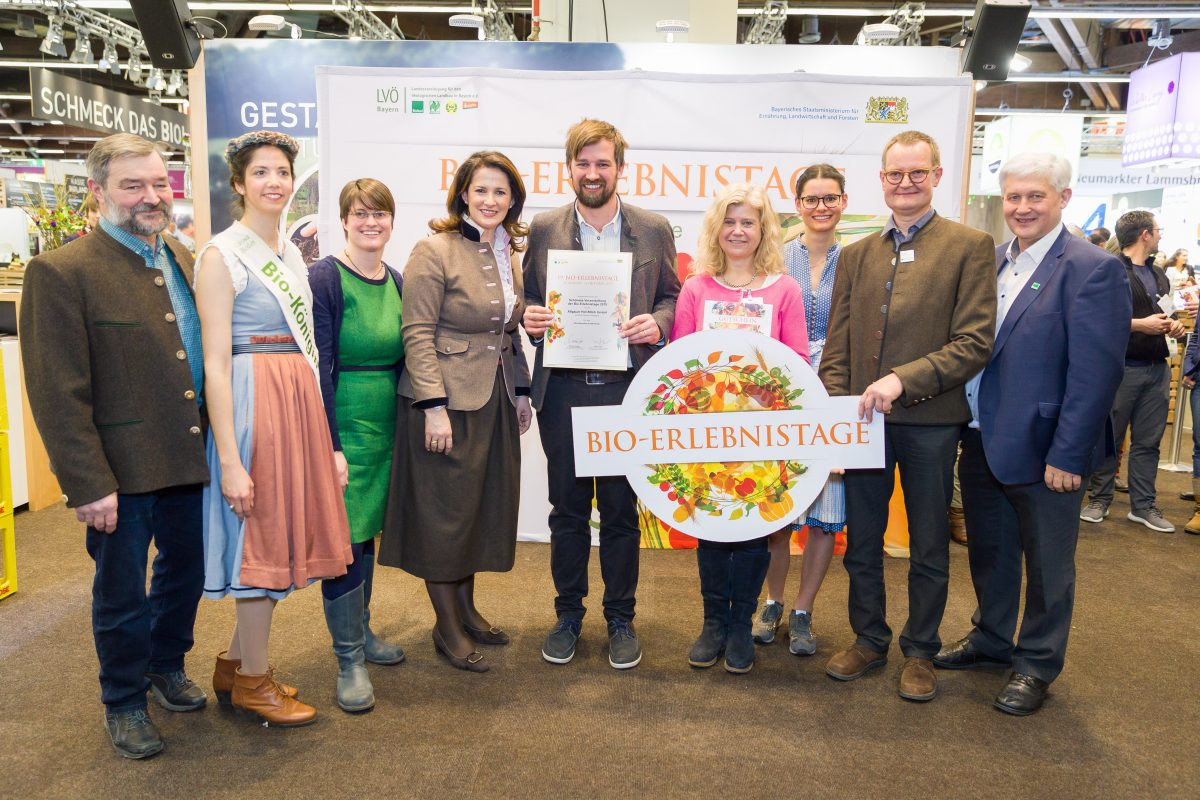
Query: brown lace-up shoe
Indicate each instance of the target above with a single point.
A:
(222, 681)
(854, 662)
(259, 695)
(918, 682)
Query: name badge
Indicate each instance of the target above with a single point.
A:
(907, 256)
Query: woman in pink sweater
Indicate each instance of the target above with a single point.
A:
(739, 265)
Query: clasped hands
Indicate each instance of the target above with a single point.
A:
(1158, 323)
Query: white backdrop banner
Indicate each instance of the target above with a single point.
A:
(689, 135)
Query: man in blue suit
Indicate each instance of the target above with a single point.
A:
(1039, 424)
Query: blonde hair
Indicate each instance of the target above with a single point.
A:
(911, 138)
(768, 258)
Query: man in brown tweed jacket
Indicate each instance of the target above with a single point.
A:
(912, 320)
(110, 341)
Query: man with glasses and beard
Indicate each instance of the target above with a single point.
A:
(912, 319)
(596, 221)
(110, 340)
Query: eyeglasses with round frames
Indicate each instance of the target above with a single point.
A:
(895, 176)
(812, 200)
(363, 216)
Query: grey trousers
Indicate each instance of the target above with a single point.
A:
(1141, 407)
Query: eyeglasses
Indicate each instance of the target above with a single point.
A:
(895, 176)
(378, 216)
(812, 200)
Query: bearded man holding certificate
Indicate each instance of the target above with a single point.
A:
(597, 226)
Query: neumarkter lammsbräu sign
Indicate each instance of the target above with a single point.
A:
(74, 102)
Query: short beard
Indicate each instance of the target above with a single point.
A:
(595, 201)
(126, 219)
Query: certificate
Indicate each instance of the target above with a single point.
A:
(588, 294)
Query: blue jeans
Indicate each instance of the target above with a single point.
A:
(1194, 402)
(136, 633)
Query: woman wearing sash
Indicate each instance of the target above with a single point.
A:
(356, 306)
(739, 258)
(812, 260)
(463, 404)
(274, 519)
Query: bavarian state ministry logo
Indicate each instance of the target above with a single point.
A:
(888, 109)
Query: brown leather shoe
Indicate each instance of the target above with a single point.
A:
(259, 695)
(1193, 525)
(222, 681)
(854, 662)
(917, 679)
(958, 525)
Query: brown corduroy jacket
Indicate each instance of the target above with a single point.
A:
(111, 396)
(930, 320)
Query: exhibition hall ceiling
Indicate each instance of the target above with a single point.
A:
(1073, 46)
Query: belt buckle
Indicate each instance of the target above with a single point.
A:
(593, 378)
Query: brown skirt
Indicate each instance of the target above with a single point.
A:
(452, 515)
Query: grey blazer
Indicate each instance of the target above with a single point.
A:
(655, 283)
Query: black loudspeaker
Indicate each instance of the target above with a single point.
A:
(997, 28)
(166, 29)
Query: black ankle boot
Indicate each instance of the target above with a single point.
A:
(713, 566)
(748, 570)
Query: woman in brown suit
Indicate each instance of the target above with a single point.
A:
(463, 404)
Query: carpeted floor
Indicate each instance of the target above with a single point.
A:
(1122, 721)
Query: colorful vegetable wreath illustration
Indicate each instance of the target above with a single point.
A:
(728, 382)
(555, 330)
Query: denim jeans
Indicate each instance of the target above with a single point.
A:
(1194, 403)
(136, 633)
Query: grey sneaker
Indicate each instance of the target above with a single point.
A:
(624, 651)
(800, 636)
(1152, 518)
(560, 643)
(1094, 511)
(767, 622)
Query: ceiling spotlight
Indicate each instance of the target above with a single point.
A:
(671, 27)
(82, 54)
(174, 82)
(468, 21)
(133, 72)
(1019, 63)
(878, 33)
(272, 23)
(980, 85)
(155, 81)
(53, 45)
(110, 61)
